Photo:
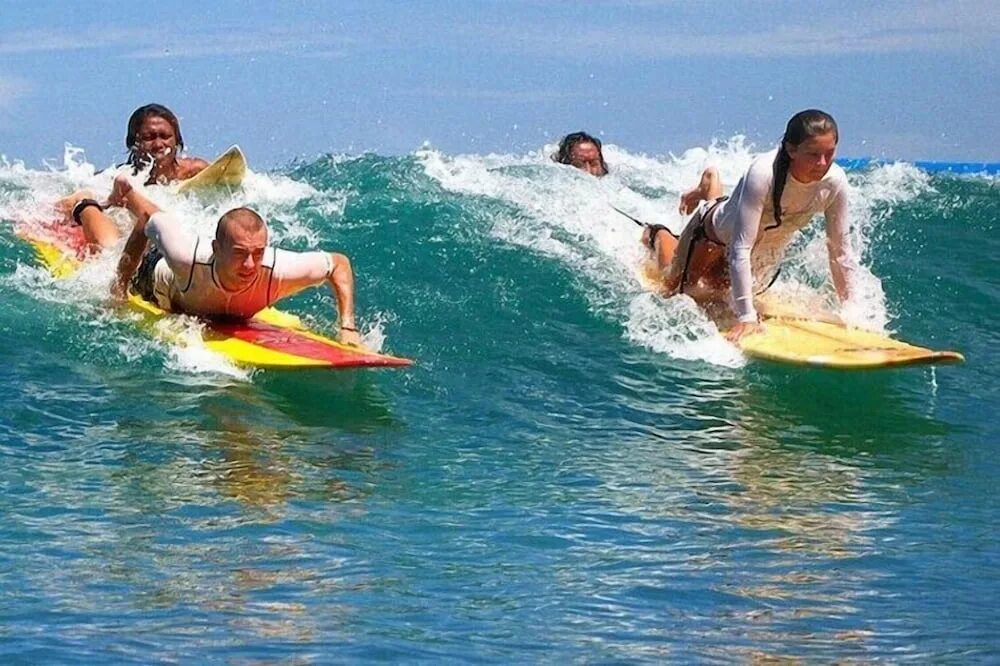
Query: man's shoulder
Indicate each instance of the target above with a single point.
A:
(293, 264)
(159, 221)
(177, 243)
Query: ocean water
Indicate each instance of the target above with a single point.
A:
(574, 470)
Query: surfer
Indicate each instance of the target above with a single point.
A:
(584, 152)
(153, 139)
(234, 275)
(730, 241)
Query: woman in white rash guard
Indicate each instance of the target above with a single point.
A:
(730, 245)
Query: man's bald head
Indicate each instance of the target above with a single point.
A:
(239, 247)
(239, 223)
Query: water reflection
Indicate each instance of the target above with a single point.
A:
(186, 481)
(768, 485)
(350, 400)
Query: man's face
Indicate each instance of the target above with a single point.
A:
(586, 157)
(238, 257)
(155, 139)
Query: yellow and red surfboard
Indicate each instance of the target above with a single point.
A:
(271, 339)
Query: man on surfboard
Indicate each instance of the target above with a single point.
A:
(153, 139)
(235, 275)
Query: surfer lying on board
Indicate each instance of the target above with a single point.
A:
(729, 243)
(234, 275)
(584, 152)
(154, 142)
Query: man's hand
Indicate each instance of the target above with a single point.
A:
(743, 329)
(120, 190)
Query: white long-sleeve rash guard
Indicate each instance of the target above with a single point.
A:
(185, 279)
(746, 224)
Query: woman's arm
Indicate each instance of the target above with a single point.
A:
(750, 207)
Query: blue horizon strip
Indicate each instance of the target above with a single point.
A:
(988, 168)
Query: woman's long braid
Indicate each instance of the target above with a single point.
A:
(781, 163)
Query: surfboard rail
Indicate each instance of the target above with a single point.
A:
(227, 170)
(828, 344)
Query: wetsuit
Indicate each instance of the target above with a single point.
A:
(178, 274)
(753, 240)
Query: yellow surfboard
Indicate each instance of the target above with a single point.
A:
(819, 339)
(829, 344)
(271, 339)
(227, 170)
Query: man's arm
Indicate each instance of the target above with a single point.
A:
(123, 194)
(295, 271)
(342, 282)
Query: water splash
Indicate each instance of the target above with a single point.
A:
(565, 215)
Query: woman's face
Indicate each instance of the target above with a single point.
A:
(811, 159)
(155, 139)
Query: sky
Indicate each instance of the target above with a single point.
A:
(912, 80)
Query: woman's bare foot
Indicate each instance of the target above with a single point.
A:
(709, 187)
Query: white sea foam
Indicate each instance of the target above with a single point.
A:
(187, 353)
(680, 328)
(373, 332)
(554, 210)
(568, 216)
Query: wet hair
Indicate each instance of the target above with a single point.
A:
(803, 125)
(244, 218)
(571, 141)
(136, 120)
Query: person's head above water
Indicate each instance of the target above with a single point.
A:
(153, 133)
(240, 241)
(806, 152)
(810, 141)
(582, 151)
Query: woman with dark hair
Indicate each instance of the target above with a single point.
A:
(154, 141)
(732, 244)
(582, 151)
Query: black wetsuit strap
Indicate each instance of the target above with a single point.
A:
(770, 284)
(655, 229)
(699, 234)
(270, 276)
(194, 260)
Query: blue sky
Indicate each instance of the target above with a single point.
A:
(908, 80)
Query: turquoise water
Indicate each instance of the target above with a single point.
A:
(574, 469)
